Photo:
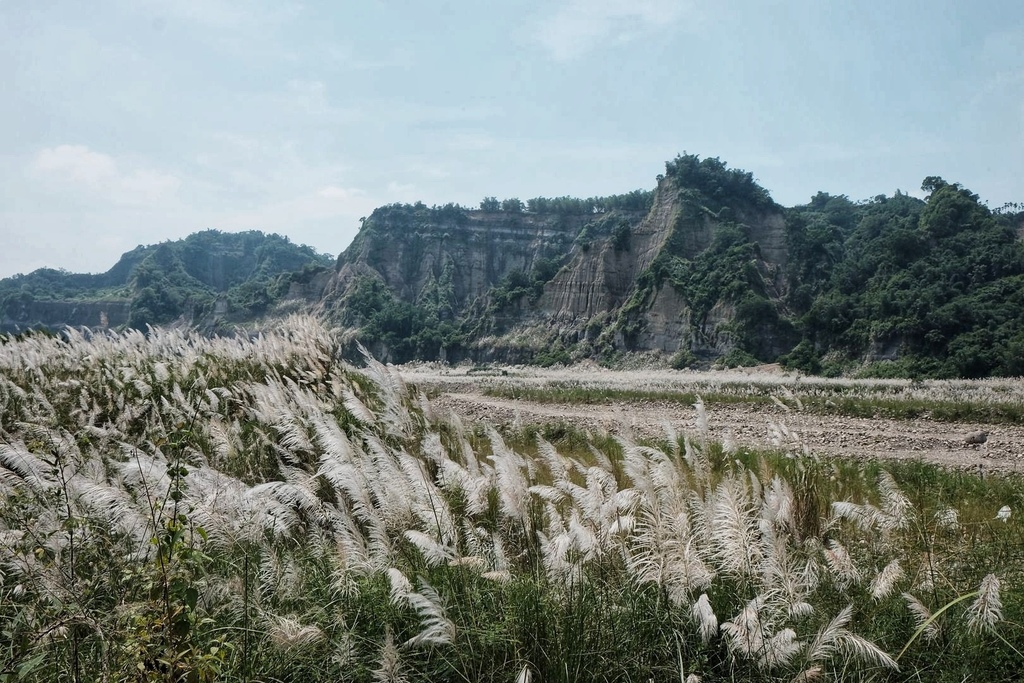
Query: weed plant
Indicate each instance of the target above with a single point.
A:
(175, 508)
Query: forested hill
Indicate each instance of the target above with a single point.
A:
(706, 268)
(204, 279)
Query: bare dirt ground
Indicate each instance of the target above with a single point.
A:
(752, 425)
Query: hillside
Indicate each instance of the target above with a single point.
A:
(205, 279)
(705, 268)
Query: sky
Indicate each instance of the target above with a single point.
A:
(127, 122)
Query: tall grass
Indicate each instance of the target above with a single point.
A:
(839, 400)
(254, 509)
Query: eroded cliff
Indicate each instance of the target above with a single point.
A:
(669, 276)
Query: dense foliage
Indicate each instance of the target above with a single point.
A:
(247, 270)
(938, 284)
(179, 508)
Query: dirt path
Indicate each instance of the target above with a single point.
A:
(759, 426)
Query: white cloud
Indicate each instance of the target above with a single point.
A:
(579, 25)
(78, 169)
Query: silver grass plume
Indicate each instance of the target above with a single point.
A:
(733, 528)
(835, 637)
(437, 629)
(701, 420)
(663, 552)
(357, 408)
(512, 483)
(750, 634)
(884, 582)
(400, 586)
(987, 609)
(389, 665)
(844, 571)
(287, 633)
(433, 553)
(896, 507)
(704, 616)
(922, 616)
(778, 504)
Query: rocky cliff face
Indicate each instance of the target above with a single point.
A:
(412, 249)
(592, 283)
(60, 314)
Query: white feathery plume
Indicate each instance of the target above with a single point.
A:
(885, 580)
(896, 506)
(841, 565)
(729, 442)
(555, 463)
(987, 608)
(357, 408)
(1004, 514)
(553, 554)
(287, 633)
(500, 560)
(429, 505)
(704, 615)
(512, 483)
(663, 553)
(425, 407)
(701, 420)
(222, 438)
(733, 528)
(549, 494)
(865, 516)
(437, 629)
(474, 562)
(744, 632)
(866, 651)
(922, 616)
(400, 586)
(498, 576)
(525, 675)
(330, 437)
(600, 459)
(825, 643)
(835, 637)
(780, 649)
(778, 503)
(636, 465)
(434, 553)
(378, 542)
(19, 467)
(389, 667)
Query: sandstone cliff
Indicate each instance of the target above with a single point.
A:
(522, 283)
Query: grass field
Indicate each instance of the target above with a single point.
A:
(174, 508)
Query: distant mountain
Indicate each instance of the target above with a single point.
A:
(706, 268)
(206, 279)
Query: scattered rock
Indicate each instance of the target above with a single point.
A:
(976, 438)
